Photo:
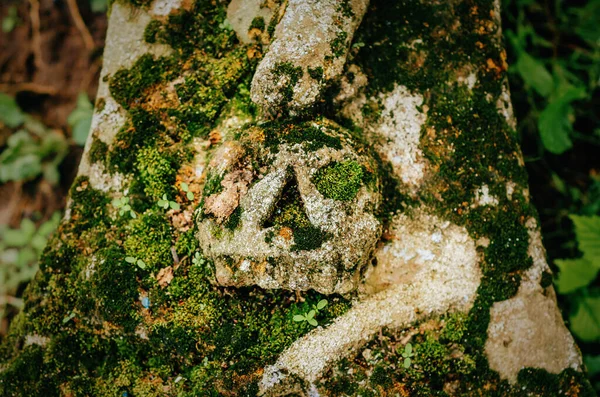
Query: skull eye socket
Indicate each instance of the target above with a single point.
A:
(340, 180)
(289, 220)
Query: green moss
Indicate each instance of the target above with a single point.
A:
(302, 133)
(292, 74)
(308, 238)
(114, 286)
(345, 9)
(315, 73)
(339, 44)
(546, 280)
(156, 171)
(128, 85)
(181, 30)
(213, 184)
(258, 23)
(152, 30)
(100, 103)
(234, 219)
(88, 205)
(568, 383)
(149, 239)
(143, 131)
(340, 181)
(98, 151)
(289, 212)
(187, 244)
(454, 328)
(382, 376)
(136, 3)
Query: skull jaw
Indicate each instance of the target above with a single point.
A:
(244, 258)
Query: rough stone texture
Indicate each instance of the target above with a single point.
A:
(241, 13)
(311, 34)
(398, 133)
(124, 45)
(430, 266)
(528, 330)
(255, 254)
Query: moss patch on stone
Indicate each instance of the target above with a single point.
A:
(340, 181)
(98, 151)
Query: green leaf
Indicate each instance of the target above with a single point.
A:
(311, 314)
(535, 74)
(11, 20)
(15, 238)
(407, 362)
(141, 264)
(322, 303)
(312, 322)
(99, 5)
(25, 167)
(592, 364)
(68, 318)
(587, 26)
(190, 196)
(587, 230)
(574, 274)
(26, 257)
(38, 243)
(184, 187)
(10, 113)
(174, 205)
(554, 122)
(133, 214)
(585, 323)
(80, 119)
(130, 259)
(408, 349)
(298, 318)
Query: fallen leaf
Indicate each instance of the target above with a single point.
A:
(165, 276)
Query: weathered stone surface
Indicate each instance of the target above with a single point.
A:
(430, 267)
(241, 14)
(310, 48)
(527, 330)
(274, 220)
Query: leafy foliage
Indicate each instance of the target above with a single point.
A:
(554, 81)
(19, 252)
(80, 119)
(309, 316)
(576, 274)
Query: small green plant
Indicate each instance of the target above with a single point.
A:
(80, 119)
(32, 150)
(185, 187)
(198, 260)
(122, 204)
(309, 317)
(133, 260)
(166, 203)
(407, 354)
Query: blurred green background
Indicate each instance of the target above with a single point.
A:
(50, 60)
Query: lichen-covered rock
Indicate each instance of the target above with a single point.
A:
(293, 208)
(310, 48)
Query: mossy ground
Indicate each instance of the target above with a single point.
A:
(113, 329)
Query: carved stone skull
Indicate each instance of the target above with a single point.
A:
(290, 206)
